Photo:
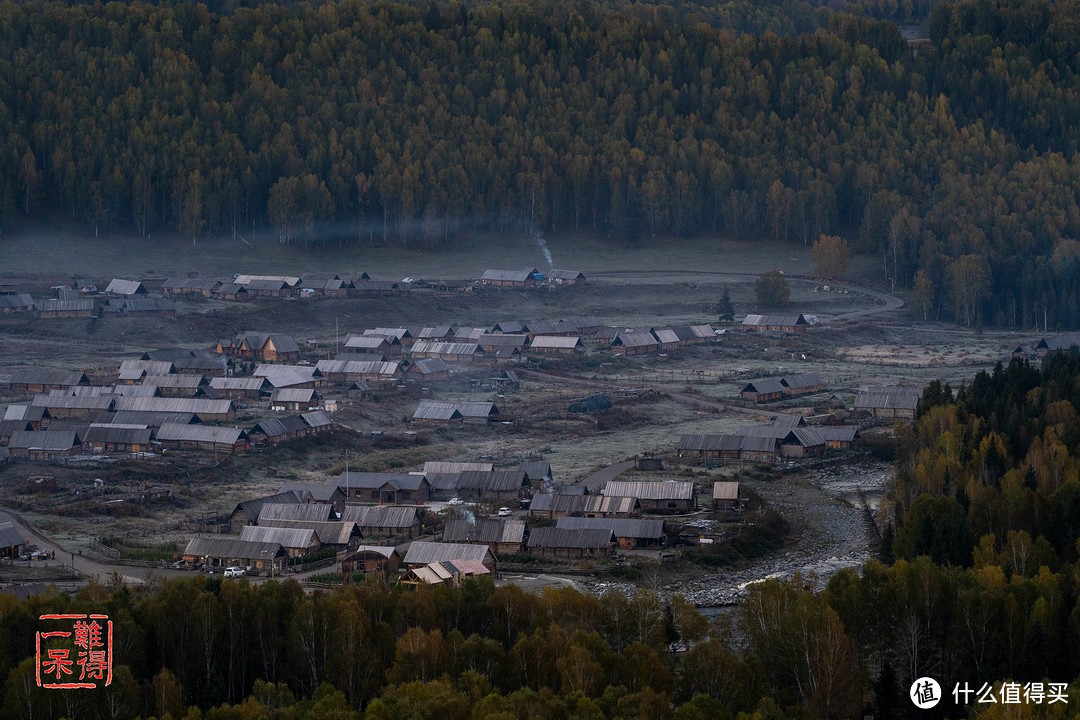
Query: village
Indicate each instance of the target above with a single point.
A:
(429, 453)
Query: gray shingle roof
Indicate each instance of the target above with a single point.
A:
(374, 481)
(764, 386)
(381, 516)
(11, 535)
(671, 490)
(554, 537)
(490, 530)
(276, 427)
(200, 433)
(231, 549)
(331, 532)
(428, 552)
(56, 440)
(297, 511)
(48, 377)
(125, 287)
(622, 527)
(286, 537)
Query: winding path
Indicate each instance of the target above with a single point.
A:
(891, 301)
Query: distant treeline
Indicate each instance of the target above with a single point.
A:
(350, 120)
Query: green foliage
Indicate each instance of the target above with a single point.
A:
(772, 290)
(725, 309)
(763, 538)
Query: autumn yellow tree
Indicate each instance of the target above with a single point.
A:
(831, 256)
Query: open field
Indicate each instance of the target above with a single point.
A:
(73, 253)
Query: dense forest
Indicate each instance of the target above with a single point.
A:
(228, 650)
(957, 166)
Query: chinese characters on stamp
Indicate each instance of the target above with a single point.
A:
(74, 651)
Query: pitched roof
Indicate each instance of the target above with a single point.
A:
(125, 287)
(267, 285)
(444, 348)
(892, 399)
(175, 405)
(43, 440)
(710, 443)
(229, 549)
(290, 280)
(510, 340)
(843, 433)
(782, 319)
(374, 481)
(536, 469)
(541, 342)
(440, 466)
(422, 553)
(490, 530)
(254, 507)
(806, 437)
(560, 503)
(725, 491)
(76, 402)
(286, 395)
(468, 333)
(200, 433)
(766, 443)
(380, 516)
(805, 380)
(317, 419)
(764, 386)
(670, 490)
(47, 377)
(367, 342)
(483, 481)
(566, 274)
(11, 535)
(509, 326)
(286, 537)
(508, 275)
(147, 367)
(635, 340)
(555, 537)
(437, 412)
(373, 285)
(622, 527)
(113, 434)
(65, 305)
(256, 341)
(331, 532)
(429, 366)
(174, 380)
(276, 427)
(155, 419)
(149, 305)
(358, 367)
(396, 333)
(239, 383)
(320, 492)
(297, 511)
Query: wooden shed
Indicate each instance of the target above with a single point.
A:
(224, 440)
(371, 560)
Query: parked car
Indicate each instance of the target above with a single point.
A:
(456, 501)
(234, 572)
(505, 512)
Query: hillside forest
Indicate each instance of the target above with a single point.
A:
(954, 162)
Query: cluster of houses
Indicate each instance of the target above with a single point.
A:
(167, 404)
(787, 437)
(768, 389)
(132, 297)
(353, 509)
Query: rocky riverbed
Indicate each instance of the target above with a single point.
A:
(829, 531)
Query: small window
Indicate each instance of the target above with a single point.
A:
(671, 504)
